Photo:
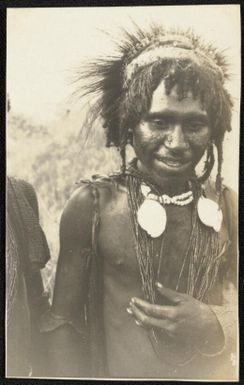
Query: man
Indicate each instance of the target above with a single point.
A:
(148, 256)
(27, 253)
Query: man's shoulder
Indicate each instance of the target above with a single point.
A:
(228, 193)
(90, 195)
(228, 204)
(98, 187)
(100, 182)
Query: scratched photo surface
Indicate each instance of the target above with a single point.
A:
(133, 273)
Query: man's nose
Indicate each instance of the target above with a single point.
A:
(176, 139)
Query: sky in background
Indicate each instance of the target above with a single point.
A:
(46, 45)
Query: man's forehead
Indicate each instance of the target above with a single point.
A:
(161, 101)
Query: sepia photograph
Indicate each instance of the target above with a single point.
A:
(122, 134)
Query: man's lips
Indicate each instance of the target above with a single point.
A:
(173, 162)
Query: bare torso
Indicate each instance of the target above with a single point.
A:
(129, 350)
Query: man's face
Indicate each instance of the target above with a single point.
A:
(171, 138)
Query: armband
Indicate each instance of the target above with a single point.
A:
(51, 321)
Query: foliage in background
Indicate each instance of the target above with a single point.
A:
(52, 158)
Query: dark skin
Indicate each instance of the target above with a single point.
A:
(186, 319)
(128, 348)
(121, 283)
(169, 142)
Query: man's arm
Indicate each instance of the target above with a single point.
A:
(68, 353)
(227, 312)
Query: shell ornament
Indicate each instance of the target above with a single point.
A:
(209, 213)
(152, 216)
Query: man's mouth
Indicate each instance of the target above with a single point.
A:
(174, 162)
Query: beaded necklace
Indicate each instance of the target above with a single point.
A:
(178, 200)
(203, 245)
(201, 258)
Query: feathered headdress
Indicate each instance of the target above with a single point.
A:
(122, 85)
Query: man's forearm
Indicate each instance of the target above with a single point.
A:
(227, 317)
(67, 353)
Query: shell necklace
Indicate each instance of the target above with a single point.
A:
(201, 260)
(152, 217)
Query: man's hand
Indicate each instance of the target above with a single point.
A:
(186, 320)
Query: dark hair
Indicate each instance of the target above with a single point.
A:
(204, 85)
(122, 104)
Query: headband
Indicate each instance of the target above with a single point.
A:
(170, 48)
(109, 79)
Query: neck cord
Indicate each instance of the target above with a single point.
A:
(201, 260)
(201, 252)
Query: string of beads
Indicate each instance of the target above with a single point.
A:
(178, 200)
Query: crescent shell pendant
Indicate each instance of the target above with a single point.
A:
(210, 213)
(152, 217)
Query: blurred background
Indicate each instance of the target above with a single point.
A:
(45, 48)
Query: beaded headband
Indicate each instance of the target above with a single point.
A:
(171, 47)
(168, 53)
(178, 56)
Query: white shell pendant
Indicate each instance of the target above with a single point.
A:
(209, 213)
(152, 217)
(145, 190)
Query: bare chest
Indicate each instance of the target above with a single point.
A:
(118, 242)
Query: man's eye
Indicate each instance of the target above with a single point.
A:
(194, 126)
(159, 123)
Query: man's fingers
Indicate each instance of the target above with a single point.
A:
(147, 321)
(158, 311)
(170, 294)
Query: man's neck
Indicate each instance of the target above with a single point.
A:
(166, 184)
